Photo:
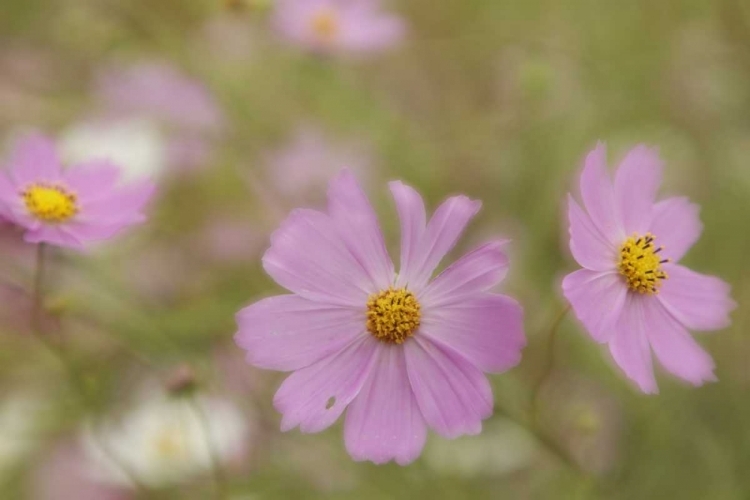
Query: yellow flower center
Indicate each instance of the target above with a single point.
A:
(640, 264)
(170, 443)
(50, 203)
(325, 24)
(393, 315)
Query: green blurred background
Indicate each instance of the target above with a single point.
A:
(496, 99)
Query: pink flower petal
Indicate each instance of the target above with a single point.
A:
(477, 271)
(677, 226)
(588, 245)
(636, 183)
(697, 301)
(597, 299)
(674, 347)
(93, 180)
(384, 423)
(358, 225)
(453, 395)
(54, 235)
(35, 159)
(411, 213)
(598, 196)
(443, 230)
(308, 257)
(486, 329)
(288, 332)
(629, 344)
(315, 396)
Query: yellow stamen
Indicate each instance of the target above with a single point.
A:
(50, 203)
(325, 24)
(393, 315)
(640, 264)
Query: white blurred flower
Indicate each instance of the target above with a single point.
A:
(502, 448)
(166, 440)
(136, 145)
(20, 423)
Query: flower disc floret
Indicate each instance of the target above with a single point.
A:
(393, 315)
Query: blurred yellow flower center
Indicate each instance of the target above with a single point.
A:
(325, 24)
(393, 315)
(640, 264)
(170, 443)
(50, 203)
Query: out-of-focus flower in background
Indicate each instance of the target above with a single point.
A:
(300, 170)
(337, 26)
(64, 473)
(631, 294)
(165, 440)
(149, 117)
(22, 418)
(503, 448)
(138, 145)
(70, 207)
(398, 352)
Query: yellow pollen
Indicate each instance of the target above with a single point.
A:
(325, 24)
(50, 203)
(393, 315)
(640, 264)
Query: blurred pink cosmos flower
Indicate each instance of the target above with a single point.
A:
(400, 351)
(632, 294)
(337, 26)
(309, 159)
(70, 207)
(160, 91)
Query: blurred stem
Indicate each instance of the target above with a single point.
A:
(216, 470)
(37, 328)
(548, 367)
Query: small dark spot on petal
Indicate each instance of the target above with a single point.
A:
(331, 402)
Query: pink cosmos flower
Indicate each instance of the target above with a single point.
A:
(70, 207)
(337, 26)
(632, 294)
(158, 90)
(398, 351)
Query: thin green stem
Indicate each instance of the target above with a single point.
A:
(37, 327)
(548, 367)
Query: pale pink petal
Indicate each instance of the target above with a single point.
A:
(314, 397)
(54, 235)
(122, 205)
(411, 213)
(589, 246)
(674, 347)
(677, 226)
(636, 183)
(86, 232)
(597, 299)
(34, 159)
(384, 423)
(288, 332)
(599, 196)
(443, 230)
(629, 344)
(308, 257)
(485, 329)
(94, 179)
(358, 225)
(697, 301)
(477, 271)
(453, 395)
